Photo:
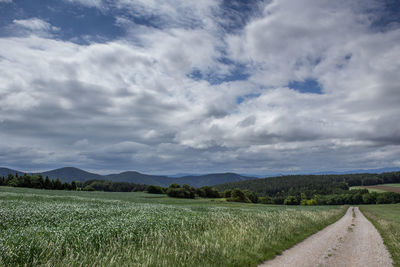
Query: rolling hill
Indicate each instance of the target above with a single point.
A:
(6, 171)
(310, 184)
(69, 174)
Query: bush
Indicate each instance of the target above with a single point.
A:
(227, 193)
(155, 189)
(238, 196)
(88, 188)
(369, 198)
(251, 196)
(388, 198)
(180, 193)
(200, 192)
(311, 202)
(174, 186)
(291, 200)
(265, 200)
(210, 192)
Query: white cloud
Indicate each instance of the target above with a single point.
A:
(132, 104)
(32, 26)
(89, 3)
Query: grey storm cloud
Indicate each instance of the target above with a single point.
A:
(133, 103)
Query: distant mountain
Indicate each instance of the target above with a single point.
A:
(6, 171)
(212, 179)
(69, 174)
(196, 181)
(140, 178)
(380, 170)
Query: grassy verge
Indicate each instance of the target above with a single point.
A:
(60, 228)
(386, 219)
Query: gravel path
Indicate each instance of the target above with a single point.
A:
(351, 241)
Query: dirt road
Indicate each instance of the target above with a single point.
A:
(351, 241)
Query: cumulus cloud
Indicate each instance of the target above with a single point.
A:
(149, 101)
(32, 26)
(89, 3)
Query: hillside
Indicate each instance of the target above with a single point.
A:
(6, 171)
(310, 184)
(69, 174)
(211, 179)
(196, 181)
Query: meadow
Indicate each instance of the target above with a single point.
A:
(386, 219)
(71, 228)
(380, 188)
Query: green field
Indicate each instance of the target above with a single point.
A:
(394, 185)
(64, 228)
(386, 219)
(369, 189)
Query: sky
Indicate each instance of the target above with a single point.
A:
(182, 86)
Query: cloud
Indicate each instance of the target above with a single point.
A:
(32, 26)
(89, 3)
(148, 100)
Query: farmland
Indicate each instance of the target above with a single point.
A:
(380, 188)
(53, 228)
(386, 219)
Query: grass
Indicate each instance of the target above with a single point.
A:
(393, 185)
(380, 188)
(386, 219)
(61, 228)
(370, 190)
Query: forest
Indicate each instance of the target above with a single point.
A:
(37, 181)
(288, 190)
(310, 185)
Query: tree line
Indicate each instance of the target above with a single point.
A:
(281, 187)
(352, 197)
(38, 182)
(288, 190)
(186, 191)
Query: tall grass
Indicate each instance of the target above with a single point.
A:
(386, 219)
(39, 228)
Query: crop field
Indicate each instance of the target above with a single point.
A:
(386, 219)
(380, 188)
(369, 189)
(385, 187)
(64, 228)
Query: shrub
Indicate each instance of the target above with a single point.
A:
(251, 196)
(369, 198)
(174, 186)
(200, 192)
(155, 189)
(180, 193)
(238, 196)
(265, 200)
(388, 198)
(227, 193)
(211, 192)
(291, 200)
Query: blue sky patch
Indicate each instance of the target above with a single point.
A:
(308, 86)
(241, 99)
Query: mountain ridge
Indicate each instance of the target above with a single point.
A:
(69, 174)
